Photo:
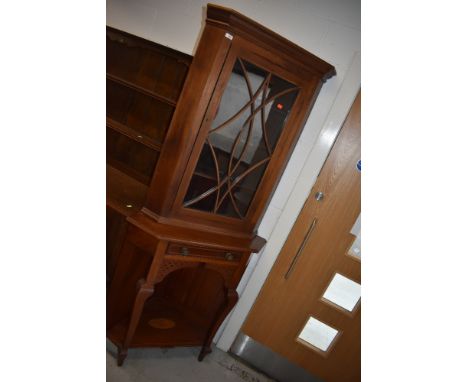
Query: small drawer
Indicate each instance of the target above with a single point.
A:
(192, 251)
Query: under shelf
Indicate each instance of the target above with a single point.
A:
(123, 193)
(140, 89)
(133, 134)
(185, 332)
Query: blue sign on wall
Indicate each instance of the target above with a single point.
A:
(358, 165)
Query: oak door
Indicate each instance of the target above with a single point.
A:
(308, 311)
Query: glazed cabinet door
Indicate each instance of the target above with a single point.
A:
(251, 124)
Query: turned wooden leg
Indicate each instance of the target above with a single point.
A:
(231, 300)
(203, 352)
(121, 355)
(146, 290)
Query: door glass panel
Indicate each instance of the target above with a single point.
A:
(246, 128)
(343, 292)
(355, 249)
(317, 334)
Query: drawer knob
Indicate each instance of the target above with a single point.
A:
(229, 256)
(185, 251)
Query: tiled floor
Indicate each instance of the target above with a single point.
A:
(178, 364)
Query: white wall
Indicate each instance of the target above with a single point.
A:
(328, 28)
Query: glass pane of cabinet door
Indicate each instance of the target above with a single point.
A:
(251, 115)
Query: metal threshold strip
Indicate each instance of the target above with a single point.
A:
(268, 362)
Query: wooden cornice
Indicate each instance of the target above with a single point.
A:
(134, 40)
(241, 25)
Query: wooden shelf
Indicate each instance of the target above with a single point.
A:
(133, 134)
(205, 176)
(124, 194)
(141, 89)
(186, 332)
(129, 171)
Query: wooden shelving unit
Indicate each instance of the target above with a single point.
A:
(144, 80)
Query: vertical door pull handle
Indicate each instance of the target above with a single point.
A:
(301, 248)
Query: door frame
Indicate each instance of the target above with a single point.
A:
(309, 173)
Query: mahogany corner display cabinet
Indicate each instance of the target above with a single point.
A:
(195, 149)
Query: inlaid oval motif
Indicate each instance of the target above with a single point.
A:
(161, 323)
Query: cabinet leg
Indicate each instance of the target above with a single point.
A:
(203, 352)
(121, 355)
(145, 290)
(231, 300)
(143, 294)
